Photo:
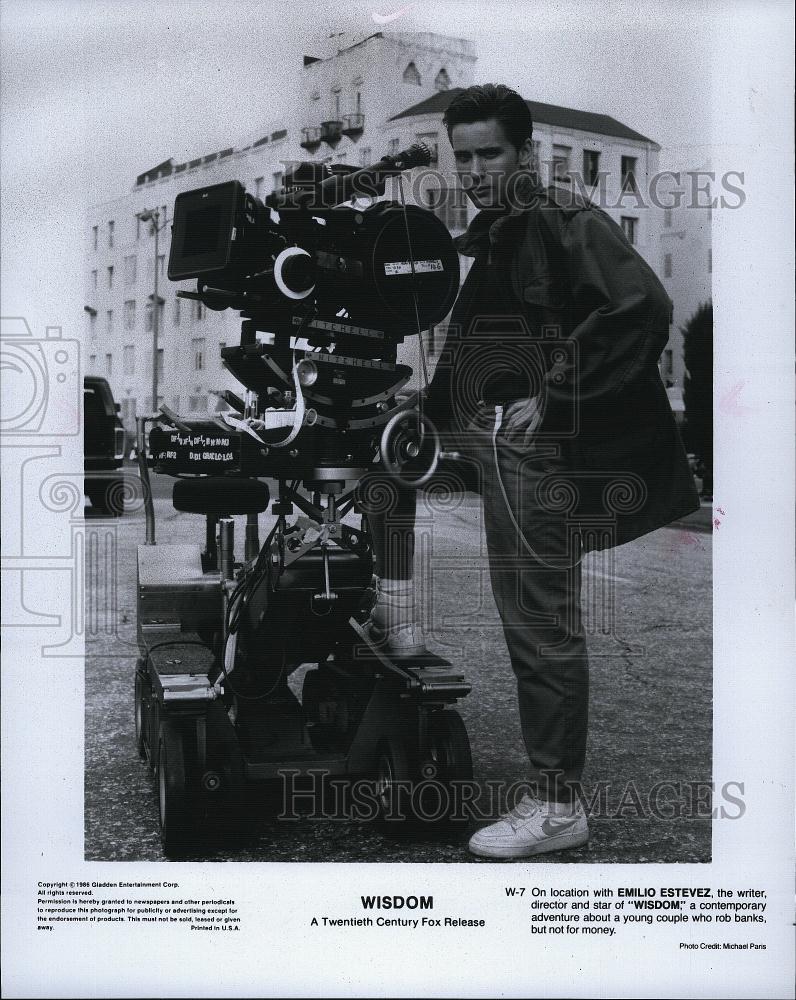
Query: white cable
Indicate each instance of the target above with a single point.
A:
(230, 648)
(273, 419)
(517, 528)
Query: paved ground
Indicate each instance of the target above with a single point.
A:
(651, 707)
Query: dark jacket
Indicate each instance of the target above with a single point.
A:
(580, 285)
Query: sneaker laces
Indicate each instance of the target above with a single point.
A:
(523, 810)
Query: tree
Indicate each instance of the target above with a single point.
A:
(698, 389)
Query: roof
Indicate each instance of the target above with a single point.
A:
(544, 114)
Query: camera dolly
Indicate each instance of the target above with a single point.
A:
(213, 708)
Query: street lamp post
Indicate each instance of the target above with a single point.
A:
(153, 215)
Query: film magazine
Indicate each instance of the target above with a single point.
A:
(220, 779)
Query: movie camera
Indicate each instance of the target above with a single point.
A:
(326, 292)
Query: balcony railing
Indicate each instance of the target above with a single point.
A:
(310, 138)
(331, 131)
(353, 124)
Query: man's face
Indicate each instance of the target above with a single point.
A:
(485, 160)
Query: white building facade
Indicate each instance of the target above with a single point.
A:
(685, 262)
(369, 97)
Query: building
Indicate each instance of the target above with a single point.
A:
(685, 262)
(367, 97)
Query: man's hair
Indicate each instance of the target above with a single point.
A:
(491, 100)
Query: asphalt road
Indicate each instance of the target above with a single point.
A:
(651, 708)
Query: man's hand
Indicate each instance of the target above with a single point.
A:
(521, 418)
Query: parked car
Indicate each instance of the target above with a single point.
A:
(103, 447)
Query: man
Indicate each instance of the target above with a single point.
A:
(549, 388)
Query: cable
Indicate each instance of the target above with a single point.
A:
(414, 291)
(517, 528)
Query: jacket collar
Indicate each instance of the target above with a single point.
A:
(491, 226)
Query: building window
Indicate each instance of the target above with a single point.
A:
(93, 281)
(667, 265)
(159, 357)
(110, 235)
(148, 316)
(108, 364)
(710, 261)
(129, 270)
(137, 228)
(129, 359)
(198, 348)
(393, 147)
(629, 228)
(177, 311)
(629, 173)
(442, 81)
(431, 139)
(591, 166)
(258, 186)
(365, 155)
(278, 177)
(358, 103)
(92, 360)
(109, 321)
(94, 236)
(561, 156)
(411, 75)
(197, 309)
(129, 314)
(110, 276)
(667, 218)
(449, 204)
(92, 325)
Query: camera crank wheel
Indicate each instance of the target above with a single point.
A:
(410, 447)
(173, 794)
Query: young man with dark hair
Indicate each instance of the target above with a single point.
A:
(549, 387)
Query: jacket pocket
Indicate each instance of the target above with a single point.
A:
(545, 291)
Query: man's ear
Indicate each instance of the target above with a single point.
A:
(525, 153)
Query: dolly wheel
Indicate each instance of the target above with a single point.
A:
(140, 716)
(445, 761)
(173, 798)
(449, 745)
(393, 781)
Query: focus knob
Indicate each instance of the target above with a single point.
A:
(294, 273)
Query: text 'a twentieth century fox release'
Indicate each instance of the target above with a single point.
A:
(588, 913)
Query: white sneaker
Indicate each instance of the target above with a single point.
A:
(532, 827)
(392, 623)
